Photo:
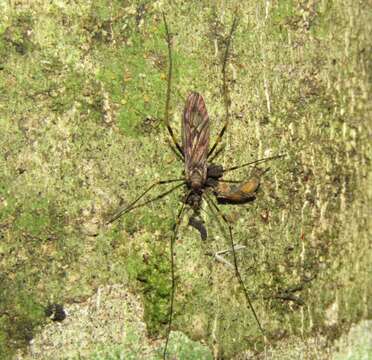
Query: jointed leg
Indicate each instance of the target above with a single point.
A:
(133, 204)
(253, 162)
(225, 88)
(175, 151)
(173, 240)
(237, 273)
(170, 66)
(217, 152)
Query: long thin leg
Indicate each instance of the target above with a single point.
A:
(225, 88)
(175, 151)
(217, 152)
(253, 162)
(132, 206)
(230, 181)
(212, 205)
(170, 66)
(160, 196)
(173, 240)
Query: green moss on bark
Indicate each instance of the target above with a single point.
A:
(82, 98)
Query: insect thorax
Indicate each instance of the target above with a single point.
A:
(196, 181)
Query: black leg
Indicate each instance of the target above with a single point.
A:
(169, 83)
(253, 163)
(212, 206)
(225, 88)
(175, 151)
(217, 152)
(173, 240)
(133, 205)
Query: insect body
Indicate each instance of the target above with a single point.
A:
(195, 143)
(199, 175)
(202, 179)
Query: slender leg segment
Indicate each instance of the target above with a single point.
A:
(160, 196)
(133, 205)
(212, 206)
(216, 153)
(169, 83)
(253, 163)
(225, 88)
(175, 151)
(173, 240)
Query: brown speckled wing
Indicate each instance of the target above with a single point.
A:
(195, 135)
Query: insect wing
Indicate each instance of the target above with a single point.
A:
(195, 135)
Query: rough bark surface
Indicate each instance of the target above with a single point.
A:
(82, 93)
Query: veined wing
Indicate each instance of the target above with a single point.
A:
(195, 138)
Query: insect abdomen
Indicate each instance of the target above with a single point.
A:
(240, 194)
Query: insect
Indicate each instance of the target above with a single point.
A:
(202, 178)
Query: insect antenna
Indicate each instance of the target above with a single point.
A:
(133, 205)
(172, 242)
(216, 211)
(169, 83)
(225, 88)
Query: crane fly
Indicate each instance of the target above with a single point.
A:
(202, 178)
